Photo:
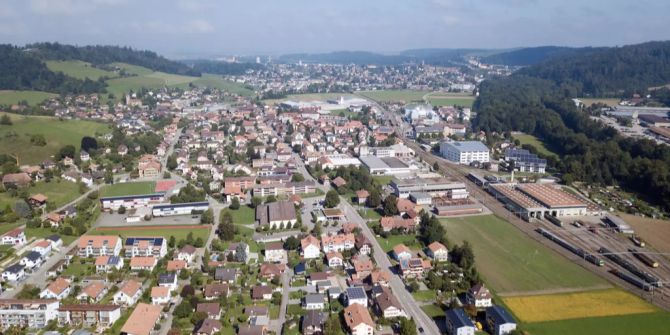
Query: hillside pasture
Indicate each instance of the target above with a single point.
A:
(15, 139)
(10, 97)
(78, 69)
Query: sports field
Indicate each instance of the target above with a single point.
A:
(535, 142)
(449, 99)
(648, 323)
(78, 69)
(130, 188)
(553, 307)
(179, 232)
(10, 97)
(15, 139)
(512, 263)
(394, 95)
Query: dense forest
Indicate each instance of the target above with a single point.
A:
(22, 71)
(590, 151)
(608, 72)
(105, 54)
(532, 56)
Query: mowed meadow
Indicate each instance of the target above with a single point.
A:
(15, 138)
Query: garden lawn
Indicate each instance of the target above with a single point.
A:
(178, 232)
(15, 139)
(244, 215)
(129, 188)
(388, 243)
(46, 232)
(512, 263)
(59, 193)
(433, 311)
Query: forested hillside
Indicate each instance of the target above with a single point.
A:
(22, 71)
(609, 72)
(532, 56)
(105, 54)
(591, 152)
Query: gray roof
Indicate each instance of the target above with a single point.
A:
(314, 298)
(499, 315)
(225, 274)
(458, 318)
(464, 146)
(356, 293)
(313, 319)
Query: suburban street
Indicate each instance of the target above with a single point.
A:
(404, 297)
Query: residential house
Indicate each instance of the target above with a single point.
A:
(14, 273)
(160, 295)
(143, 320)
(176, 265)
(15, 237)
(438, 252)
(310, 246)
(99, 245)
(57, 289)
(88, 315)
(186, 253)
(226, 275)
(270, 270)
(312, 322)
(275, 253)
(401, 252)
(129, 292)
(140, 263)
(356, 295)
(213, 309)
(108, 263)
(414, 267)
(215, 290)
(479, 296)
(358, 320)
(338, 242)
(168, 280)
(145, 246)
(314, 301)
(458, 323)
(209, 327)
(334, 259)
(32, 260)
(388, 306)
(363, 245)
(92, 292)
(261, 292)
(42, 247)
(499, 320)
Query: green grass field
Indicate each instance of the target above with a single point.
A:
(131, 188)
(388, 243)
(245, 215)
(120, 86)
(308, 97)
(46, 232)
(78, 69)
(178, 233)
(57, 134)
(133, 69)
(465, 101)
(216, 81)
(433, 311)
(510, 262)
(607, 101)
(535, 142)
(649, 323)
(59, 193)
(394, 95)
(10, 97)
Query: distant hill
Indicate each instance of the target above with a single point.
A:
(608, 71)
(106, 54)
(532, 56)
(20, 70)
(222, 68)
(445, 57)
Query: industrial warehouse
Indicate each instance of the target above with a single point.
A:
(532, 201)
(435, 187)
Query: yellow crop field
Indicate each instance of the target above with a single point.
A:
(537, 308)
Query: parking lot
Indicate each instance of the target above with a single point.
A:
(119, 220)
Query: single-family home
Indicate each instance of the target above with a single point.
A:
(213, 309)
(160, 295)
(499, 320)
(458, 323)
(261, 292)
(186, 253)
(335, 259)
(479, 296)
(57, 289)
(168, 280)
(15, 237)
(401, 252)
(356, 295)
(108, 263)
(275, 253)
(14, 272)
(139, 263)
(208, 327)
(310, 247)
(388, 306)
(92, 292)
(129, 292)
(312, 322)
(358, 320)
(438, 252)
(314, 301)
(215, 290)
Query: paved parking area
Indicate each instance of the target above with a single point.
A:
(118, 220)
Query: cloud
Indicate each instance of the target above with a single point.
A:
(71, 7)
(199, 26)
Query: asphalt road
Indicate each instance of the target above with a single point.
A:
(381, 258)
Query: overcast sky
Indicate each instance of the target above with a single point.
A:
(186, 28)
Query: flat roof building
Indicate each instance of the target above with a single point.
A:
(464, 152)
